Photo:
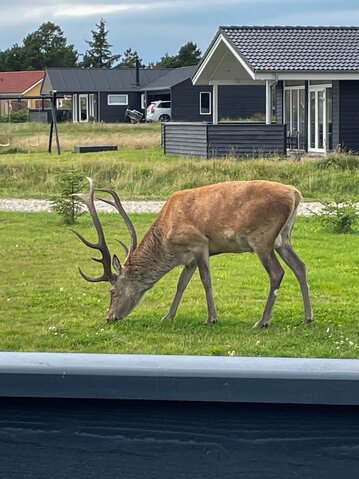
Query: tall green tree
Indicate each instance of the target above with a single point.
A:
(188, 55)
(129, 59)
(48, 47)
(99, 54)
(12, 59)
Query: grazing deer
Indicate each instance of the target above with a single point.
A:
(230, 217)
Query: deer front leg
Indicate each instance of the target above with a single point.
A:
(183, 281)
(205, 274)
(275, 273)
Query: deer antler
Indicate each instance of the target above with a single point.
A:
(101, 245)
(118, 205)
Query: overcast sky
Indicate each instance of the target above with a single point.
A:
(154, 27)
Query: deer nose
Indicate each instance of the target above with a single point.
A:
(111, 318)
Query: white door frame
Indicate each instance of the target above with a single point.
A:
(289, 121)
(82, 95)
(316, 89)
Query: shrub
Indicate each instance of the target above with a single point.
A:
(20, 116)
(339, 216)
(64, 203)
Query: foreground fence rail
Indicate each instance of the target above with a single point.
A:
(132, 416)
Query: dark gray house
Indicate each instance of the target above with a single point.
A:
(311, 79)
(101, 94)
(194, 103)
(105, 94)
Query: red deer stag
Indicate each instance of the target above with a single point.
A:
(230, 217)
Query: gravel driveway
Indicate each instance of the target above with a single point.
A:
(31, 205)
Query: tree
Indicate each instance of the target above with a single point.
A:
(47, 47)
(129, 59)
(188, 55)
(99, 54)
(12, 59)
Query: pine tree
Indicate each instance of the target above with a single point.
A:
(99, 54)
(188, 55)
(129, 59)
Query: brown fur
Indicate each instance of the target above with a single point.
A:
(229, 217)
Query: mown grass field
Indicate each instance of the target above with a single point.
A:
(47, 306)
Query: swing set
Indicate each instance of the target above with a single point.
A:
(53, 123)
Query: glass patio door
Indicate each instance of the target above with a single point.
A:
(320, 119)
(83, 108)
(295, 116)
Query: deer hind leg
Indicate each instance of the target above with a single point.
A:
(183, 281)
(291, 258)
(205, 274)
(275, 273)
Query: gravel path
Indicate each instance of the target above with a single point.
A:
(31, 205)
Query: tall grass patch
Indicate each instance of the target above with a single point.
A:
(148, 173)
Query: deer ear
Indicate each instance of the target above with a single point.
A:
(116, 264)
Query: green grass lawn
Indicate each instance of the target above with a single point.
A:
(47, 306)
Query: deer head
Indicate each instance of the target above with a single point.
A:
(125, 293)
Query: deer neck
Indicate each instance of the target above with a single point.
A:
(151, 260)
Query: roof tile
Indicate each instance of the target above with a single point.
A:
(296, 48)
(19, 81)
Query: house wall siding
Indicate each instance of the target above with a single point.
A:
(116, 113)
(349, 114)
(185, 102)
(234, 102)
(280, 101)
(336, 113)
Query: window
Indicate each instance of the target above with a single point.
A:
(164, 104)
(143, 101)
(205, 103)
(295, 115)
(117, 100)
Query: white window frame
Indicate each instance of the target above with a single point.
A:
(75, 113)
(200, 102)
(143, 101)
(86, 97)
(125, 103)
(289, 121)
(316, 88)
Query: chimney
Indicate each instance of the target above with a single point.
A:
(137, 72)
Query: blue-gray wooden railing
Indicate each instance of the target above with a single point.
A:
(225, 139)
(135, 416)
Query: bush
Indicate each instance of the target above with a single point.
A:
(20, 116)
(64, 203)
(339, 216)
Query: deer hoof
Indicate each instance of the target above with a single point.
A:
(260, 325)
(211, 321)
(308, 320)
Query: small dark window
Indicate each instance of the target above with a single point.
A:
(165, 104)
(205, 103)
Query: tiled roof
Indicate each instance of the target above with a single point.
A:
(19, 82)
(296, 48)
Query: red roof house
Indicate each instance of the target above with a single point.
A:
(19, 83)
